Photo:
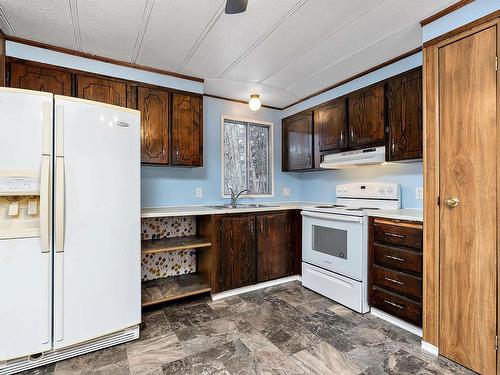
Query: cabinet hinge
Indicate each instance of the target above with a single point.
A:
(496, 63)
(496, 343)
(439, 201)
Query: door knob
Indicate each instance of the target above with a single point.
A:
(452, 202)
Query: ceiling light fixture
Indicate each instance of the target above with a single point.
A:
(254, 103)
(236, 6)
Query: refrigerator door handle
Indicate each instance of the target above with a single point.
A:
(46, 298)
(59, 296)
(45, 204)
(59, 205)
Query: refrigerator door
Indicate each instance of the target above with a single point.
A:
(96, 220)
(25, 215)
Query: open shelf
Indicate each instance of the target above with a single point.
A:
(171, 244)
(172, 288)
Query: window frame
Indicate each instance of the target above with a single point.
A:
(271, 154)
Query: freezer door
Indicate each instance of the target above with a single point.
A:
(25, 241)
(97, 220)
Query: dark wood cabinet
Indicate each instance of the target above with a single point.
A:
(330, 125)
(187, 130)
(297, 142)
(238, 267)
(395, 268)
(101, 90)
(33, 77)
(153, 105)
(404, 116)
(274, 257)
(367, 117)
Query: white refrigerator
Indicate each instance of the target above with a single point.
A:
(69, 227)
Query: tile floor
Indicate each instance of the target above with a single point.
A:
(285, 329)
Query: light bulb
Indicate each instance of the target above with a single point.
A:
(254, 103)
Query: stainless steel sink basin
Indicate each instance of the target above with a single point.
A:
(247, 205)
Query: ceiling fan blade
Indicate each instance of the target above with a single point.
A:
(236, 6)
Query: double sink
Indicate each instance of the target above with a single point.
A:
(248, 205)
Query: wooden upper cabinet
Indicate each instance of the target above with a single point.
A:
(330, 125)
(404, 116)
(238, 256)
(366, 117)
(187, 130)
(32, 77)
(274, 252)
(153, 105)
(101, 90)
(297, 149)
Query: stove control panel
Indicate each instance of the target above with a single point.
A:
(373, 190)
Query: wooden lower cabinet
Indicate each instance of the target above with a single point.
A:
(395, 268)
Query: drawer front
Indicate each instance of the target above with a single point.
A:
(397, 281)
(397, 306)
(409, 236)
(400, 259)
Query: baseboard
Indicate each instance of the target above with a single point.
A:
(396, 321)
(430, 348)
(251, 288)
(22, 364)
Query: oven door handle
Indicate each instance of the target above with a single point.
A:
(333, 217)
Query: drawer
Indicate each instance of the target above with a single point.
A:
(395, 258)
(398, 306)
(402, 234)
(398, 281)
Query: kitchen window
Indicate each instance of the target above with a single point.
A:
(247, 157)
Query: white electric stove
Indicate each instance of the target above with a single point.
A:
(335, 242)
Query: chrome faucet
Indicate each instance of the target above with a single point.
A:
(234, 196)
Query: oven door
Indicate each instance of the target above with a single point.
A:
(334, 242)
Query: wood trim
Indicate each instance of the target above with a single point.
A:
(239, 101)
(464, 28)
(3, 63)
(101, 58)
(367, 71)
(445, 12)
(398, 223)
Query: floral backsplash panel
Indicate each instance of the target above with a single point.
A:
(173, 263)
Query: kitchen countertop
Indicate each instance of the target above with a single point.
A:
(412, 214)
(170, 211)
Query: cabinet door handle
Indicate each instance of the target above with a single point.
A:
(394, 258)
(393, 146)
(393, 281)
(353, 136)
(262, 227)
(397, 235)
(401, 307)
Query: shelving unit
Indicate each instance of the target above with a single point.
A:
(165, 245)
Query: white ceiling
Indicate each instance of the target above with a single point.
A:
(281, 49)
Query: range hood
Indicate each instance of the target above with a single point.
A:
(355, 158)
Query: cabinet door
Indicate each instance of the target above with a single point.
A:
(297, 132)
(187, 130)
(153, 105)
(330, 125)
(404, 116)
(274, 257)
(101, 90)
(32, 77)
(238, 251)
(366, 118)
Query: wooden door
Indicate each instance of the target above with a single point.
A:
(297, 133)
(468, 169)
(238, 251)
(33, 77)
(274, 257)
(153, 105)
(330, 125)
(404, 116)
(187, 130)
(101, 90)
(366, 118)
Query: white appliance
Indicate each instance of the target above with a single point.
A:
(355, 158)
(69, 227)
(335, 242)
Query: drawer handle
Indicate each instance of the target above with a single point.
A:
(394, 281)
(395, 258)
(401, 307)
(397, 235)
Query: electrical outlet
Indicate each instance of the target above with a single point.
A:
(199, 192)
(286, 191)
(419, 193)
